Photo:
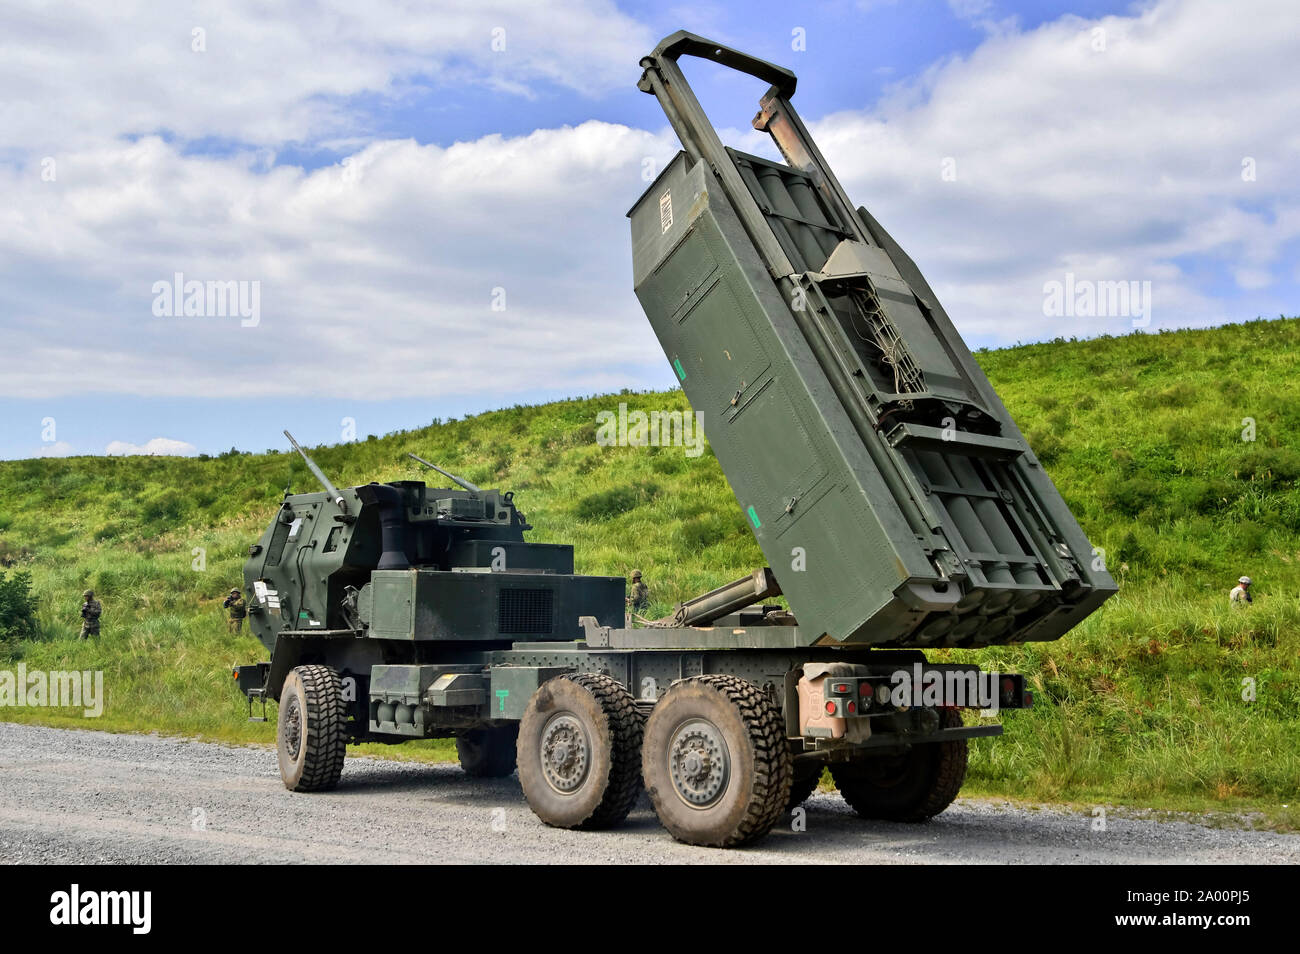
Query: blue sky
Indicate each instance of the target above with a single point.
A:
(841, 68)
(381, 176)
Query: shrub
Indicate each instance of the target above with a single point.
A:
(1130, 497)
(17, 606)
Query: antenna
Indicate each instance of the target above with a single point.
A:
(320, 475)
(464, 483)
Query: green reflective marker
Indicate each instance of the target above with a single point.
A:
(501, 694)
(681, 372)
(753, 518)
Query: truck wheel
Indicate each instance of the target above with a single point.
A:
(579, 751)
(803, 785)
(716, 761)
(488, 753)
(908, 788)
(311, 731)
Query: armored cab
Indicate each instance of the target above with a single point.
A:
(412, 562)
(395, 572)
(892, 494)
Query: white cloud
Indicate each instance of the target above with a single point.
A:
(377, 274)
(1252, 278)
(55, 449)
(1120, 164)
(982, 15)
(158, 447)
(75, 71)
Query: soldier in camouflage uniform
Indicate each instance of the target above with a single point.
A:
(640, 598)
(90, 613)
(238, 610)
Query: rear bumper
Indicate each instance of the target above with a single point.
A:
(251, 680)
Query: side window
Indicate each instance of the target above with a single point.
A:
(276, 548)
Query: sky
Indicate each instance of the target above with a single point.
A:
(422, 204)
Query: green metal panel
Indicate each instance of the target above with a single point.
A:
(787, 448)
(459, 689)
(393, 604)
(513, 686)
(893, 496)
(477, 604)
(513, 555)
(403, 682)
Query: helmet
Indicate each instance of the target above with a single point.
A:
(1245, 579)
(234, 591)
(88, 594)
(636, 574)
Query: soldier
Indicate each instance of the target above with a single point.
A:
(1240, 593)
(90, 613)
(640, 598)
(238, 609)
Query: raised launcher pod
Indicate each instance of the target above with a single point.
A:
(859, 435)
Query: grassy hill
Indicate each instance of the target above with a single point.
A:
(1143, 435)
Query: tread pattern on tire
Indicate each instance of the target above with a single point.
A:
(949, 773)
(626, 725)
(327, 746)
(953, 757)
(772, 763)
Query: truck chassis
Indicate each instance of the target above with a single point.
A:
(723, 739)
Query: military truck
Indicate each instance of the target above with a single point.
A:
(897, 505)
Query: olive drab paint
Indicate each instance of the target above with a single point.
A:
(847, 413)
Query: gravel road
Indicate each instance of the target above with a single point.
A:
(74, 796)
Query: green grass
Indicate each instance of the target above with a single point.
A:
(1141, 705)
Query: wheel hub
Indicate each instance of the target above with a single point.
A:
(293, 727)
(699, 763)
(565, 753)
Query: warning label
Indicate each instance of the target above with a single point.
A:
(666, 210)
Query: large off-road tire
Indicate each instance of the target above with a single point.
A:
(911, 787)
(803, 784)
(579, 751)
(716, 761)
(311, 730)
(489, 752)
